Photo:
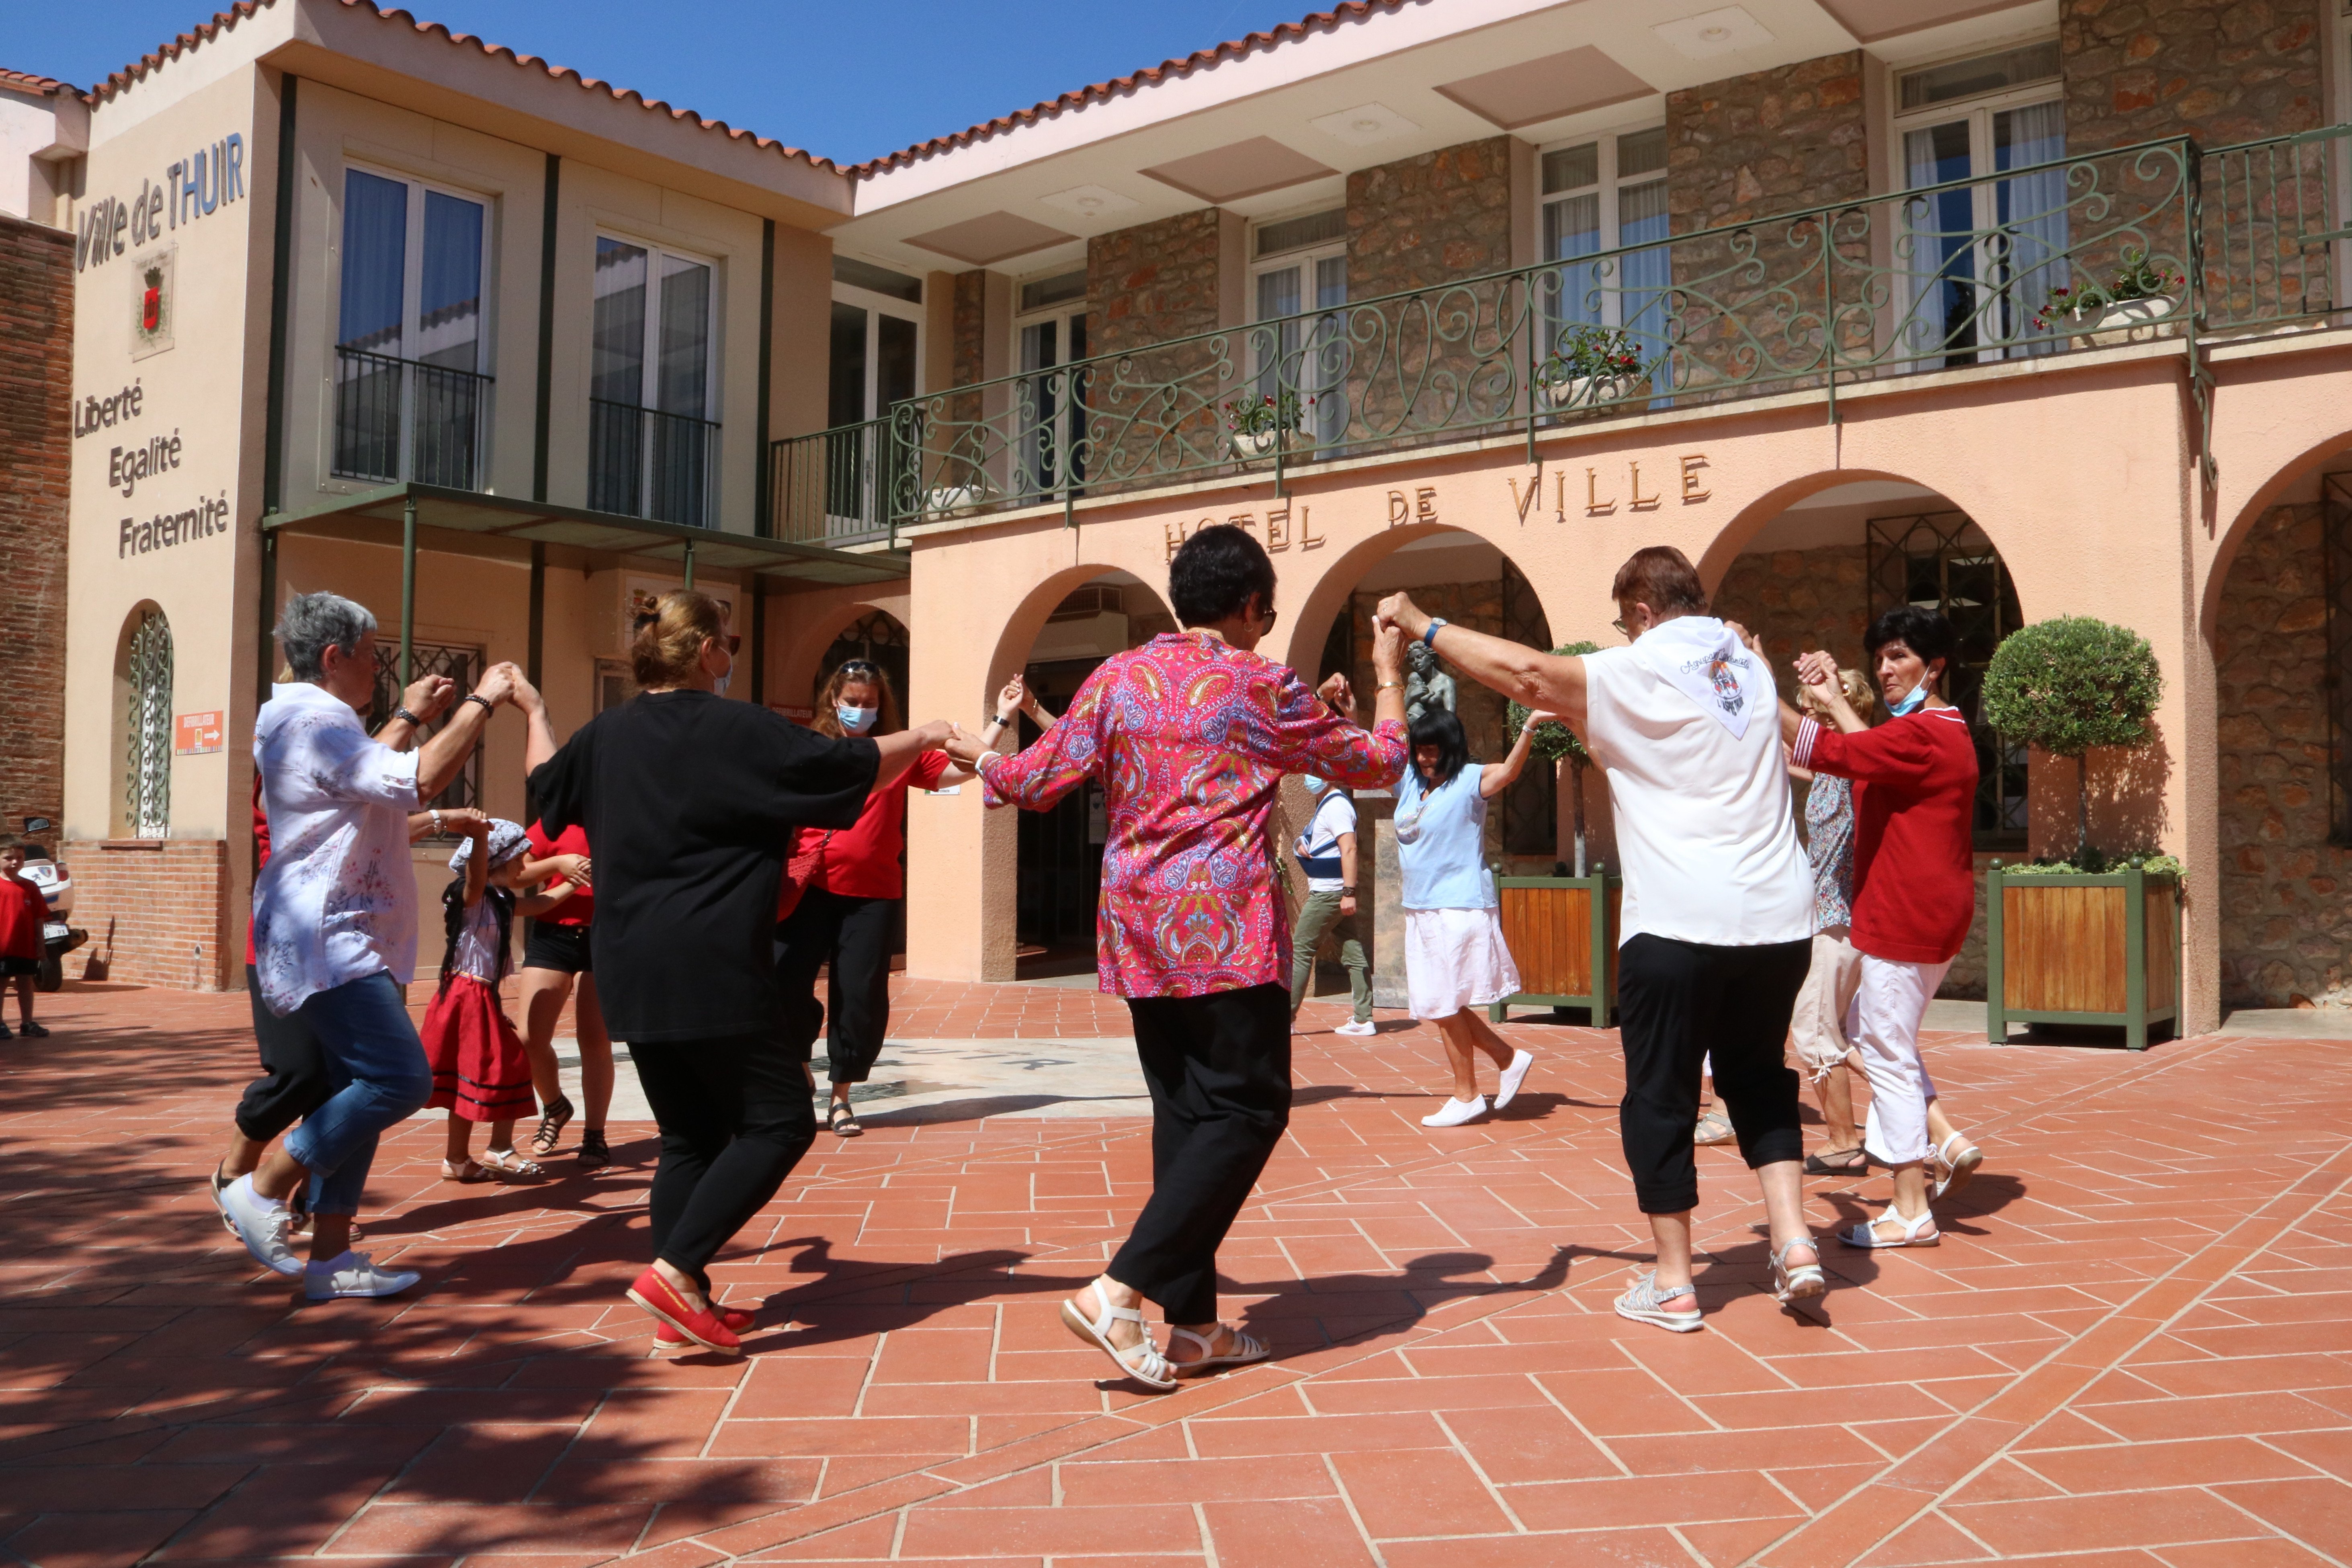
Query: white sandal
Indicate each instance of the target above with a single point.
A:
(1245, 1350)
(469, 1171)
(1801, 1282)
(1956, 1172)
(1866, 1235)
(1149, 1368)
(510, 1163)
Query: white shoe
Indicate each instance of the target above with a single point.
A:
(1454, 1112)
(260, 1223)
(1352, 1027)
(354, 1274)
(1513, 1076)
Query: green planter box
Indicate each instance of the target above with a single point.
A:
(2082, 949)
(1566, 956)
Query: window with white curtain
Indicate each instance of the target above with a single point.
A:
(653, 384)
(1979, 258)
(1051, 330)
(410, 394)
(1301, 266)
(1603, 194)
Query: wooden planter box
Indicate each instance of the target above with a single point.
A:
(2082, 949)
(1566, 958)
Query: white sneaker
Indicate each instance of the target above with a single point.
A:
(1454, 1112)
(1352, 1027)
(260, 1223)
(1513, 1076)
(354, 1274)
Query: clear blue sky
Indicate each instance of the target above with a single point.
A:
(847, 80)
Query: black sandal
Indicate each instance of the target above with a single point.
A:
(552, 1123)
(593, 1152)
(1859, 1164)
(842, 1122)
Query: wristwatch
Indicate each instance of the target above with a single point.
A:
(404, 713)
(1347, 893)
(1429, 635)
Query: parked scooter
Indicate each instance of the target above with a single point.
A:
(60, 936)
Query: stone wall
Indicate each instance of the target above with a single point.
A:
(2219, 70)
(1152, 282)
(1429, 219)
(167, 902)
(1746, 148)
(2286, 892)
(36, 392)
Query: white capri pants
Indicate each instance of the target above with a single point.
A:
(1883, 1025)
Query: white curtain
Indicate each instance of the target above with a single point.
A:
(2031, 216)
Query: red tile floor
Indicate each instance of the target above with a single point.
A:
(2133, 1346)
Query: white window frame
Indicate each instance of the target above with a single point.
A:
(1978, 112)
(1030, 461)
(714, 375)
(1326, 423)
(875, 305)
(412, 261)
(1610, 186)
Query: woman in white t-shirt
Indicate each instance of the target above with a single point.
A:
(1456, 960)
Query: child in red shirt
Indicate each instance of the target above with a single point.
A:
(23, 912)
(1915, 892)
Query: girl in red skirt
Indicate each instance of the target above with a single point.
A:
(480, 1070)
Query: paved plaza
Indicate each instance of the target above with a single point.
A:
(2135, 1346)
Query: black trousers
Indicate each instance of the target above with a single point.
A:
(293, 1081)
(853, 935)
(1219, 1071)
(1677, 1001)
(735, 1118)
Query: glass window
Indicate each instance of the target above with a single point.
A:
(1302, 233)
(1042, 292)
(1602, 196)
(1049, 412)
(877, 279)
(1978, 78)
(1304, 360)
(410, 400)
(652, 384)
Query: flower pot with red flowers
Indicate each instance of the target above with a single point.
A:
(2140, 304)
(1260, 428)
(1592, 369)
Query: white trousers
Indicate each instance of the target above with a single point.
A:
(1883, 1025)
(1817, 1026)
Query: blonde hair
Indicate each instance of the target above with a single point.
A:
(1859, 693)
(666, 649)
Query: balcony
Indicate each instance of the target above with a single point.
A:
(403, 419)
(646, 463)
(2162, 240)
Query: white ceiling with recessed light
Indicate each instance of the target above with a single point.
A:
(1278, 130)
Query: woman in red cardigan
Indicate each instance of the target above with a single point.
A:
(1914, 891)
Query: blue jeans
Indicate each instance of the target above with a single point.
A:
(377, 1077)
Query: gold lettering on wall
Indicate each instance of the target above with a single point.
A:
(1638, 503)
(1308, 538)
(1424, 504)
(1692, 463)
(1399, 510)
(1593, 505)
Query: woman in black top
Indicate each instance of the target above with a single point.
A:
(692, 803)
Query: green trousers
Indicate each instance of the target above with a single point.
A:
(1320, 914)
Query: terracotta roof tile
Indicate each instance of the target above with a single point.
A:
(26, 81)
(1288, 32)
(206, 32)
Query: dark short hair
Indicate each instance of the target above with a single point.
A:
(1924, 631)
(1214, 574)
(1663, 578)
(1437, 727)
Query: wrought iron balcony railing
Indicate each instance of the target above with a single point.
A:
(403, 419)
(2163, 239)
(646, 463)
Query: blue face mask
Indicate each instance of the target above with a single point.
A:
(1910, 703)
(1314, 785)
(855, 720)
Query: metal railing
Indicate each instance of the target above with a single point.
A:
(404, 420)
(643, 462)
(2163, 239)
(832, 487)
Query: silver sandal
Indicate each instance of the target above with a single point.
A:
(1798, 1283)
(1645, 1304)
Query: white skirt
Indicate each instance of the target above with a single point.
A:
(1455, 958)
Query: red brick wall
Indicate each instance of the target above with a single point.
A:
(36, 392)
(168, 901)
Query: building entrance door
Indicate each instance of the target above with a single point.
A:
(1060, 851)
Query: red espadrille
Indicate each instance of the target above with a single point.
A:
(669, 1338)
(704, 1328)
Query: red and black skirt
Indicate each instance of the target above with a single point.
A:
(480, 1071)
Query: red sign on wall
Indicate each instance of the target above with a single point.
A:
(195, 734)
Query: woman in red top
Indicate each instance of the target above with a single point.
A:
(1914, 891)
(849, 884)
(555, 953)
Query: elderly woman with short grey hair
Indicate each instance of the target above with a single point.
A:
(334, 926)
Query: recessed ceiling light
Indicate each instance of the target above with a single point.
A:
(1089, 200)
(1365, 124)
(1728, 31)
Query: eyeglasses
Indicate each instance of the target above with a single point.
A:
(1272, 615)
(1622, 629)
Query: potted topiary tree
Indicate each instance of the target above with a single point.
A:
(2094, 938)
(1561, 930)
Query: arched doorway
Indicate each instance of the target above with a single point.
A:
(877, 637)
(143, 718)
(1821, 569)
(1059, 853)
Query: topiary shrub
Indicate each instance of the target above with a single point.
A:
(2070, 684)
(1556, 742)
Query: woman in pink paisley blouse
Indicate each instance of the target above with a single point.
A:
(1190, 736)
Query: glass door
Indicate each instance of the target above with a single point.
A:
(653, 448)
(1051, 412)
(1307, 357)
